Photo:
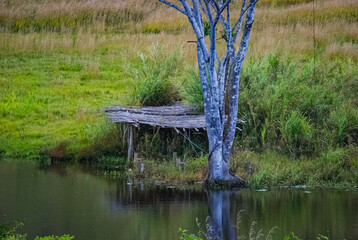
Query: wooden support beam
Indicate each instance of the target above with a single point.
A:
(175, 155)
(130, 143)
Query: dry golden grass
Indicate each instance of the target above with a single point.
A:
(287, 29)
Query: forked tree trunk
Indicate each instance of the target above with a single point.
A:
(219, 78)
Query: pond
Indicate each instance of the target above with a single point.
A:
(58, 200)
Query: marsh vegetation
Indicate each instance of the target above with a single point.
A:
(62, 61)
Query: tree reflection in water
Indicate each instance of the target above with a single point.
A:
(220, 225)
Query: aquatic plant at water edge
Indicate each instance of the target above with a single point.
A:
(53, 237)
(8, 231)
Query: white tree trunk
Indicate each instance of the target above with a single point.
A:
(219, 77)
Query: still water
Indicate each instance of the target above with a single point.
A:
(59, 200)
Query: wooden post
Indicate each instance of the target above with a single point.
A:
(182, 166)
(174, 156)
(130, 143)
(135, 159)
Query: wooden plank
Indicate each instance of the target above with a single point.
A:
(175, 116)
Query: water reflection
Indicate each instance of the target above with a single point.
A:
(59, 200)
(139, 194)
(220, 225)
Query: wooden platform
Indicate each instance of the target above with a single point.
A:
(174, 116)
(177, 117)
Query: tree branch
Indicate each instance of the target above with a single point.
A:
(173, 6)
(234, 84)
(238, 24)
(197, 30)
(221, 10)
(203, 9)
(198, 15)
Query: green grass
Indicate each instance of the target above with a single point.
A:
(52, 98)
(292, 108)
(49, 98)
(334, 169)
(154, 76)
(295, 108)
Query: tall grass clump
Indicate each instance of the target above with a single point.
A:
(292, 107)
(297, 133)
(155, 74)
(191, 90)
(212, 232)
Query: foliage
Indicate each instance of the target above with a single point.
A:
(296, 132)
(185, 236)
(8, 231)
(252, 236)
(322, 237)
(153, 77)
(191, 91)
(53, 84)
(63, 237)
(292, 236)
(291, 110)
(335, 169)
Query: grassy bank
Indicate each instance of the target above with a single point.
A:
(334, 169)
(60, 65)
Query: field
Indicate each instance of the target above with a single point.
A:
(61, 62)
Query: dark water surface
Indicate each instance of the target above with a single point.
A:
(68, 200)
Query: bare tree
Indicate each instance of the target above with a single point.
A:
(219, 77)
